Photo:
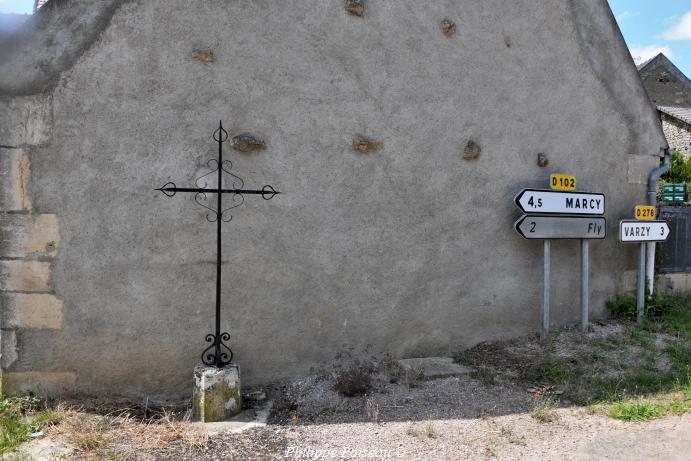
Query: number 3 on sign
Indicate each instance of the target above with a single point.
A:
(562, 182)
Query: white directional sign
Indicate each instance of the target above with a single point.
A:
(643, 231)
(561, 227)
(550, 201)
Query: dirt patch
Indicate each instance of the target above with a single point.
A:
(612, 359)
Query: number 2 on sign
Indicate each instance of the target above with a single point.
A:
(532, 203)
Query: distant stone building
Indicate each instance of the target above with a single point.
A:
(38, 4)
(665, 83)
(670, 91)
(676, 124)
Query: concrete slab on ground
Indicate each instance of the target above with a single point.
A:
(247, 419)
(42, 450)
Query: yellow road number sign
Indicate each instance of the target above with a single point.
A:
(562, 182)
(645, 213)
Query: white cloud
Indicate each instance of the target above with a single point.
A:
(681, 30)
(643, 53)
(627, 14)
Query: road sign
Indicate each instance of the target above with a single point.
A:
(561, 227)
(645, 213)
(562, 182)
(643, 231)
(548, 201)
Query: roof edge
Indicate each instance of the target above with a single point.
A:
(663, 60)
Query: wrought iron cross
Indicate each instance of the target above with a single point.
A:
(219, 357)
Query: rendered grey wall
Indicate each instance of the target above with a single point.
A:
(408, 251)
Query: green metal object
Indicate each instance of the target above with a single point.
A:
(675, 188)
(675, 193)
(674, 198)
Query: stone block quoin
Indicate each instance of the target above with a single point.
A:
(29, 242)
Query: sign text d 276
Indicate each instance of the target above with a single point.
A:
(645, 213)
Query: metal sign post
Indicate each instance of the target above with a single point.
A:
(643, 230)
(585, 291)
(218, 353)
(545, 289)
(554, 221)
(640, 289)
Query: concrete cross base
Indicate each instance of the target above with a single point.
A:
(216, 394)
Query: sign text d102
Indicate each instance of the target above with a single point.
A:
(562, 182)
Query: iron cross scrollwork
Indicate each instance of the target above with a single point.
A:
(218, 353)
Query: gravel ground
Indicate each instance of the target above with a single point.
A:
(489, 413)
(575, 436)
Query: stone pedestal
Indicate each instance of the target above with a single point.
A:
(216, 394)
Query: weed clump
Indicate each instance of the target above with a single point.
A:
(623, 307)
(354, 379)
(674, 311)
(545, 409)
(19, 417)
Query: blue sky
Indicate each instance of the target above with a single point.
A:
(649, 27)
(16, 6)
(654, 26)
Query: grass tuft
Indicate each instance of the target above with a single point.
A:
(636, 411)
(545, 410)
(554, 371)
(19, 417)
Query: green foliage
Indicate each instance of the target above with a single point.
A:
(13, 431)
(19, 417)
(668, 314)
(553, 371)
(623, 307)
(641, 337)
(636, 411)
(45, 418)
(644, 409)
(673, 311)
(679, 171)
(19, 405)
(675, 308)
